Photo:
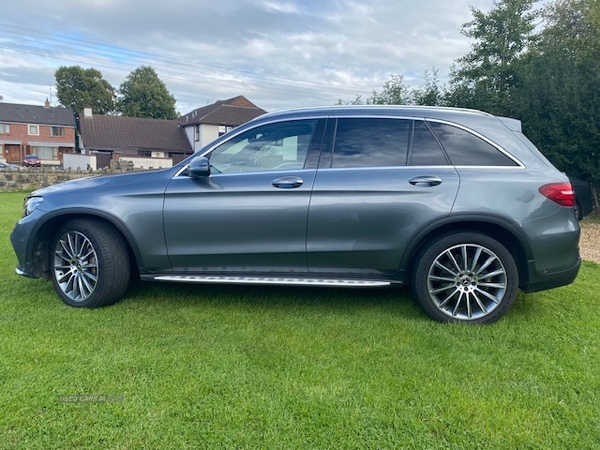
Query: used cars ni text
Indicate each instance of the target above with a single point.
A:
(458, 204)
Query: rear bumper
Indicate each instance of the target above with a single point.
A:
(541, 282)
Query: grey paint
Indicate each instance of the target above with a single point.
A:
(351, 224)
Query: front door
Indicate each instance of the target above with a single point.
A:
(13, 153)
(250, 214)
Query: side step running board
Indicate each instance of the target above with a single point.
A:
(272, 280)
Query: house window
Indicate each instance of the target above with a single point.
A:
(4, 128)
(197, 133)
(224, 129)
(34, 130)
(57, 131)
(48, 153)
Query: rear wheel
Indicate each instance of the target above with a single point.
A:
(465, 277)
(90, 264)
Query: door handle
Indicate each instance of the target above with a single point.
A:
(288, 182)
(425, 180)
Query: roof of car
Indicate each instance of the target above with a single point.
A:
(466, 117)
(395, 110)
(479, 121)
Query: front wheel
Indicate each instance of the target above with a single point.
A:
(465, 277)
(90, 264)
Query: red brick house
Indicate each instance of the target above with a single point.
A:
(45, 131)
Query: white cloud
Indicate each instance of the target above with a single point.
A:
(278, 53)
(284, 7)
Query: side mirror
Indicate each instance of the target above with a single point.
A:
(199, 167)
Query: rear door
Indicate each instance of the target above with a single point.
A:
(380, 181)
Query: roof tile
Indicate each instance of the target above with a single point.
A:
(17, 113)
(127, 133)
(232, 112)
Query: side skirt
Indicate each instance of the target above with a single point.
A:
(288, 281)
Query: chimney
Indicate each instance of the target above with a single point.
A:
(87, 112)
(46, 103)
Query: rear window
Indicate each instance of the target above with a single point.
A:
(426, 150)
(466, 149)
(371, 143)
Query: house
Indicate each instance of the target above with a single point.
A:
(114, 137)
(45, 131)
(204, 125)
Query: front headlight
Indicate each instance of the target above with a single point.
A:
(30, 204)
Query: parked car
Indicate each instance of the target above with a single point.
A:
(583, 197)
(7, 166)
(458, 204)
(32, 161)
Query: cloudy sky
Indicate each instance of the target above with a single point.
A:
(278, 53)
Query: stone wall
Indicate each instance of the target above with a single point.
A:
(34, 178)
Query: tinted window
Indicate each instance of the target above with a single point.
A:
(466, 149)
(371, 143)
(426, 150)
(279, 146)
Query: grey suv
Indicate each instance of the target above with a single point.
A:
(458, 204)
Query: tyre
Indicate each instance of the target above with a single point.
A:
(90, 264)
(465, 277)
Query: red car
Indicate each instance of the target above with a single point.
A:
(32, 161)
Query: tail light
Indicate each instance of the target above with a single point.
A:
(560, 193)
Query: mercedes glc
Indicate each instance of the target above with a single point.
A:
(458, 204)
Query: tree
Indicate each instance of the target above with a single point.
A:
(485, 76)
(430, 93)
(78, 88)
(394, 92)
(560, 101)
(143, 94)
(357, 101)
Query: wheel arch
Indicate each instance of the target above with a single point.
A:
(500, 230)
(39, 252)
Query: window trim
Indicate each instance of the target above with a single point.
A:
(37, 127)
(311, 163)
(5, 128)
(334, 117)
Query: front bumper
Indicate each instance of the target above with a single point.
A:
(30, 250)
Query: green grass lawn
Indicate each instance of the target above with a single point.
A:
(292, 368)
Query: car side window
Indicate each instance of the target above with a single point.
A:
(466, 149)
(426, 150)
(278, 146)
(371, 142)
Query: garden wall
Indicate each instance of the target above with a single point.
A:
(35, 178)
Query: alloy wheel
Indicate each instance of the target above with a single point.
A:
(75, 266)
(467, 281)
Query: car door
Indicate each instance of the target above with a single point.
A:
(249, 215)
(379, 182)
